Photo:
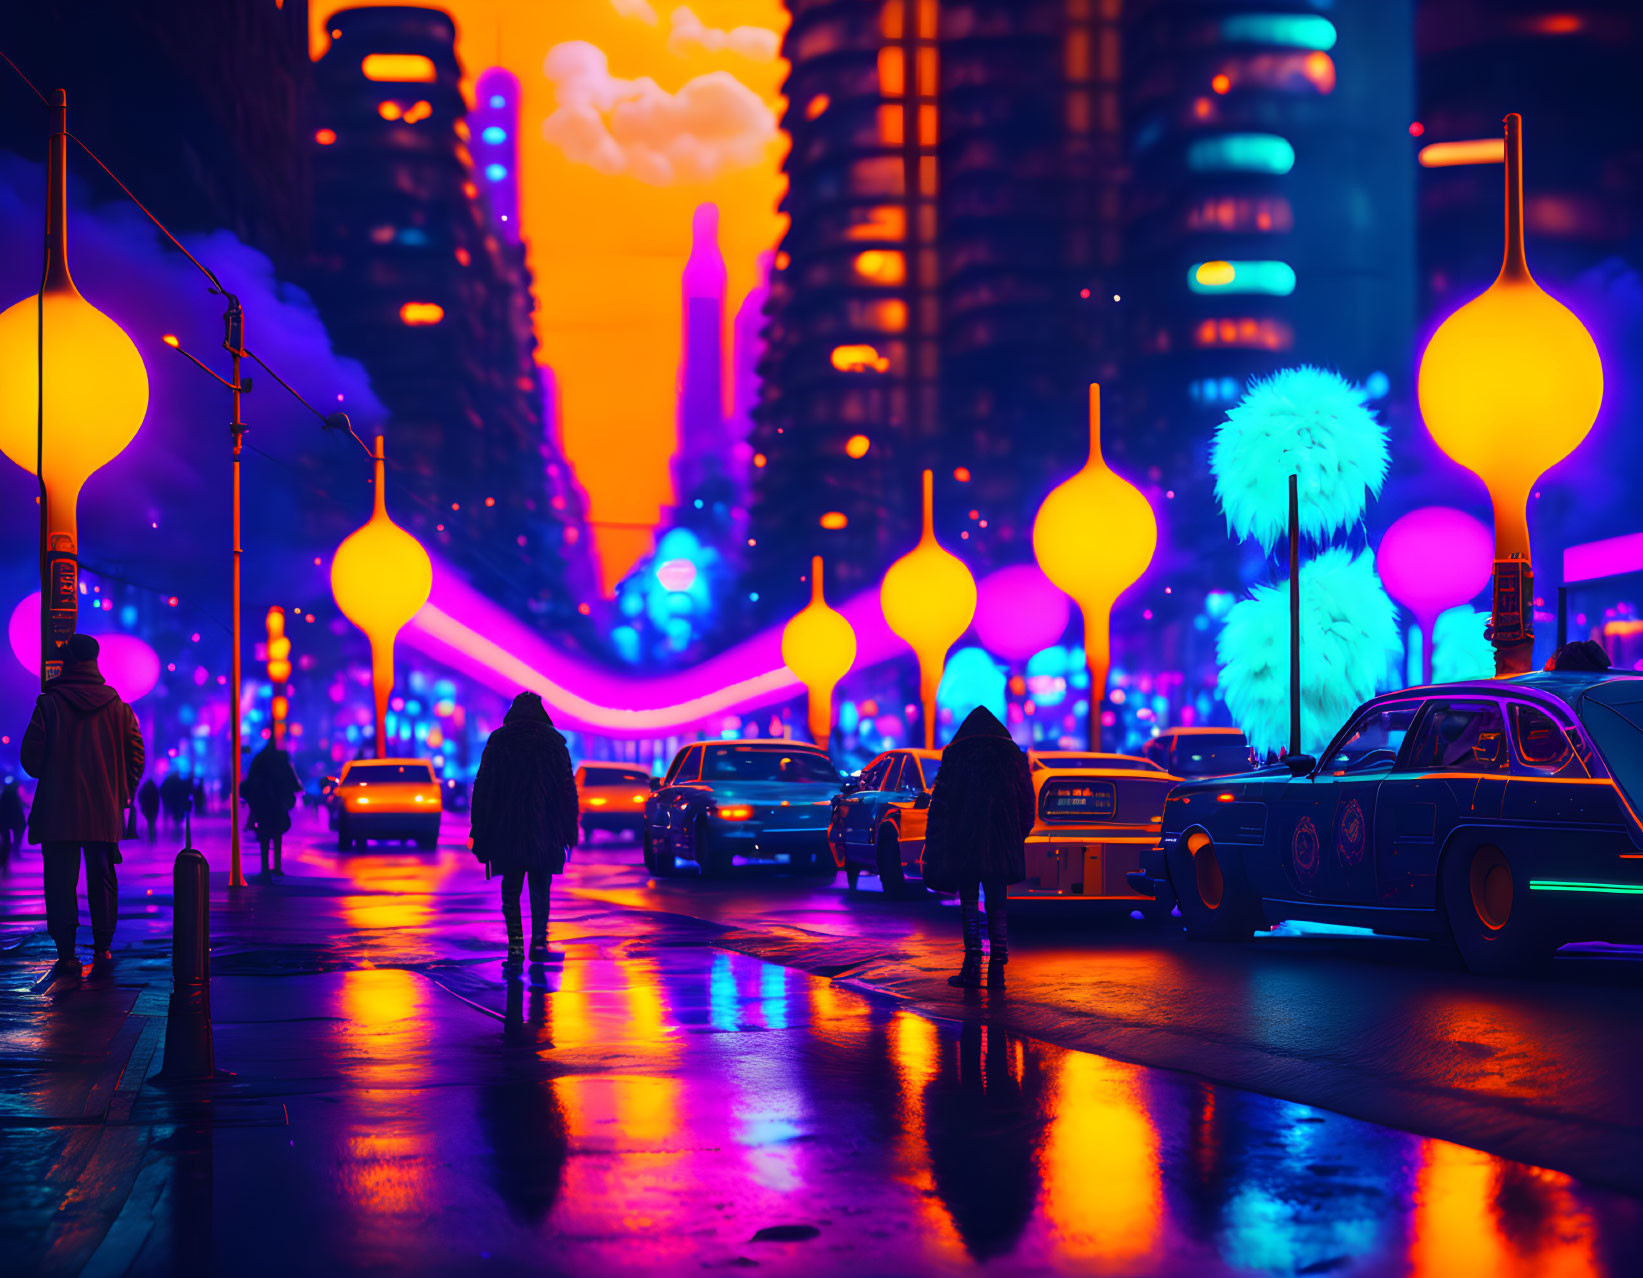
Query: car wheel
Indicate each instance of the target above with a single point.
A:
(587, 833)
(1214, 903)
(891, 877)
(852, 875)
(1487, 909)
(663, 864)
(713, 859)
(427, 842)
(344, 843)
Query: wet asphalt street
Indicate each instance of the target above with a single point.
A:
(772, 1073)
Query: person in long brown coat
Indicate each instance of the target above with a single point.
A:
(523, 817)
(981, 810)
(84, 747)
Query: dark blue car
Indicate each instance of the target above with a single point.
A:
(758, 800)
(1503, 814)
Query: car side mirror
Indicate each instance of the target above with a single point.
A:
(1300, 765)
(922, 801)
(331, 781)
(655, 784)
(851, 785)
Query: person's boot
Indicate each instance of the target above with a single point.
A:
(102, 953)
(67, 959)
(998, 950)
(279, 856)
(969, 976)
(539, 942)
(515, 962)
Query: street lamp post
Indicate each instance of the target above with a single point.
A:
(819, 647)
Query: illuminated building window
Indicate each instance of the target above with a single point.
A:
(892, 73)
(1244, 333)
(1241, 153)
(470, 190)
(1214, 390)
(833, 520)
(1203, 108)
(326, 137)
(1555, 24)
(783, 260)
(418, 111)
(857, 446)
(1241, 213)
(859, 358)
(418, 314)
(1443, 155)
(460, 128)
(1276, 279)
(494, 134)
(877, 176)
(816, 106)
(404, 68)
(884, 222)
(1277, 72)
(882, 266)
(463, 257)
(388, 110)
(891, 132)
(1291, 30)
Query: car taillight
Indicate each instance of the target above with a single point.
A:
(735, 812)
(596, 802)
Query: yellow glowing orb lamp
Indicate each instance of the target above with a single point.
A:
(1509, 386)
(96, 394)
(929, 598)
(819, 647)
(1094, 536)
(380, 578)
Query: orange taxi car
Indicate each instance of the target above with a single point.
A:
(611, 796)
(387, 799)
(1096, 814)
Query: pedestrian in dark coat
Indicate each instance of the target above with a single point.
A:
(84, 746)
(174, 797)
(523, 817)
(981, 810)
(11, 821)
(270, 791)
(148, 803)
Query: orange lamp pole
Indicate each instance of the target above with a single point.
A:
(929, 600)
(380, 578)
(1509, 385)
(1094, 536)
(73, 392)
(819, 647)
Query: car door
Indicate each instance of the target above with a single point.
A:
(860, 809)
(1352, 777)
(1451, 774)
(674, 800)
(916, 779)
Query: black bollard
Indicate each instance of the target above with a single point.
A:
(188, 1053)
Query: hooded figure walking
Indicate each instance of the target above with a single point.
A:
(523, 818)
(270, 791)
(84, 747)
(981, 810)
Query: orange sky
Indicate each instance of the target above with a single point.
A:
(607, 247)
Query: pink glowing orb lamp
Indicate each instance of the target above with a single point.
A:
(1433, 559)
(129, 665)
(1019, 611)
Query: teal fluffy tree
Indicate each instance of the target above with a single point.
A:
(1314, 424)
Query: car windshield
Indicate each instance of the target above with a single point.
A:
(1613, 714)
(616, 776)
(1108, 762)
(767, 763)
(1209, 759)
(388, 773)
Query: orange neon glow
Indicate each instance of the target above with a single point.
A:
(1442, 155)
(1221, 83)
(404, 68)
(816, 106)
(1215, 274)
(388, 110)
(170, 339)
(929, 599)
(325, 137)
(882, 266)
(760, 460)
(1096, 507)
(1511, 382)
(859, 358)
(418, 314)
(819, 647)
(1320, 69)
(857, 446)
(833, 520)
(962, 474)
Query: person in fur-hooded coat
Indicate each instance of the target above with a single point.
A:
(981, 811)
(523, 816)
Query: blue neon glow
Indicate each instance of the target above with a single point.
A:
(1241, 153)
(498, 101)
(1377, 385)
(1275, 279)
(495, 134)
(496, 172)
(1290, 30)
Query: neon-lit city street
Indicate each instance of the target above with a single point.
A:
(870, 637)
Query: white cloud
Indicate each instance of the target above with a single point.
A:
(639, 9)
(714, 124)
(686, 30)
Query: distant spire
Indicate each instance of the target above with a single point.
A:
(705, 271)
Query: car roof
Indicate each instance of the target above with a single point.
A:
(1202, 732)
(1564, 687)
(777, 742)
(605, 763)
(351, 762)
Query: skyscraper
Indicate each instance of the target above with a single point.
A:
(417, 277)
(700, 460)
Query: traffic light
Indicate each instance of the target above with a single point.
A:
(279, 669)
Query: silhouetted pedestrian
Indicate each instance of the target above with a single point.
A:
(270, 790)
(981, 810)
(11, 821)
(523, 817)
(1580, 654)
(148, 803)
(174, 796)
(84, 746)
